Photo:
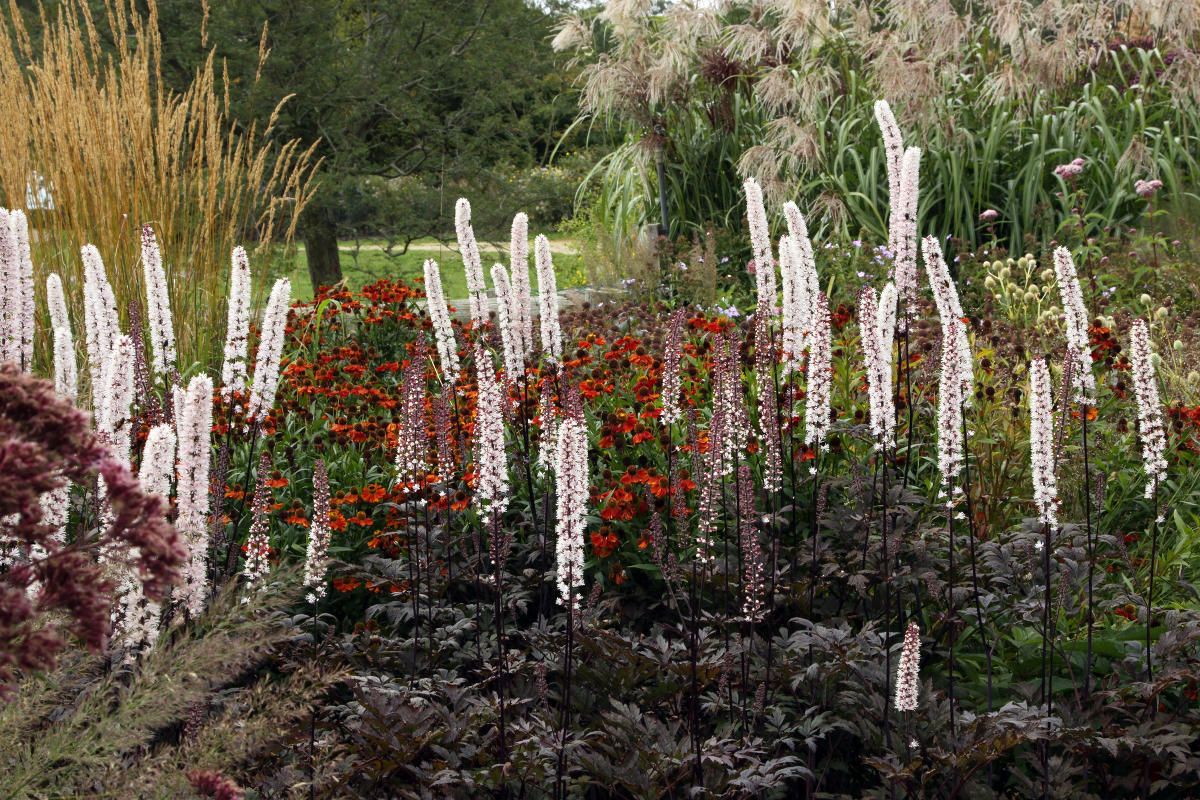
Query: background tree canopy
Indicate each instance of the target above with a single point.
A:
(413, 102)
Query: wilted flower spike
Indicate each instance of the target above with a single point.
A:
(1150, 423)
(319, 535)
(270, 350)
(547, 300)
(237, 326)
(1076, 323)
(908, 670)
(158, 302)
(472, 265)
(1041, 443)
(439, 316)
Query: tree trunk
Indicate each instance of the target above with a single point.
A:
(321, 246)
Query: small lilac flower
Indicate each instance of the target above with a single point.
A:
(1147, 189)
(1069, 171)
(857, 243)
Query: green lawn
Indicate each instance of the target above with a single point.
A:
(368, 264)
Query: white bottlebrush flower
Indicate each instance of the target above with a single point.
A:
(951, 400)
(820, 376)
(571, 478)
(548, 435)
(56, 302)
(491, 463)
(798, 321)
(472, 265)
(908, 670)
(521, 315)
(237, 325)
(510, 337)
(158, 303)
(66, 376)
(547, 300)
(760, 241)
(1150, 423)
(193, 427)
(114, 421)
(100, 319)
(1041, 443)
(443, 329)
(945, 297)
(903, 230)
(1076, 323)
(319, 535)
(158, 461)
(893, 149)
(876, 321)
(16, 290)
(669, 377)
(270, 350)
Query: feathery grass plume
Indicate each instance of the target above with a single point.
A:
(100, 319)
(547, 300)
(510, 337)
(797, 323)
(237, 326)
(270, 350)
(760, 241)
(439, 316)
(472, 265)
(193, 426)
(907, 671)
(1150, 423)
(258, 540)
(893, 152)
(1076, 323)
(320, 533)
(877, 322)
(136, 615)
(1041, 443)
(903, 223)
(412, 440)
(491, 465)
(571, 486)
(66, 375)
(820, 376)
(158, 301)
(518, 260)
(670, 377)
(769, 435)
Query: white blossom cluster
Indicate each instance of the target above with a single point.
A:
(819, 374)
(413, 437)
(237, 327)
(952, 394)
(1041, 443)
(945, 297)
(548, 437)
(1150, 423)
(769, 435)
(158, 304)
(270, 350)
(521, 314)
(319, 535)
(908, 670)
(258, 541)
(1076, 323)
(893, 149)
(548, 300)
(670, 377)
(99, 317)
(510, 337)
(800, 287)
(193, 426)
(571, 478)
(16, 290)
(491, 465)
(877, 324)
(472, 265)
(114, 421)
(902, 227)
(760, 241)
(439, 316)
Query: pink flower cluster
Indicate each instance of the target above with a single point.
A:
(1147, 189)
(491, 465)
(319, 535)
(1071, 170)
(908, 670)
(571, 477)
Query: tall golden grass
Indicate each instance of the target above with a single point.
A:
(116, 150)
